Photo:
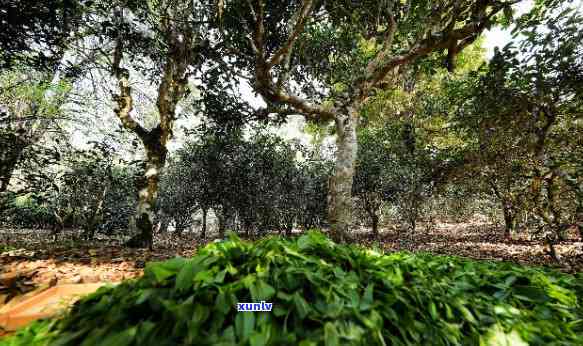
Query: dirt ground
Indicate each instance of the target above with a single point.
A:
(486, 241)
(31, 260)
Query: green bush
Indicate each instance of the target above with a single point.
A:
(324, 293)
(27, 211)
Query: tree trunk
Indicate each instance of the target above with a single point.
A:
(147, 186)
(58, 225)
(221, 225)
(375, 224)
(203, 231)
(413, 221)
(340, 189)
(508, 218)
(247, 226)
(579, 220)
(178, 37)
(96, 217)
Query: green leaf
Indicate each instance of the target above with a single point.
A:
(204, 276)
(260, 338)
(185, 277)
(467, 314)
(496, 336)
(531, 294)
(163, 270)
(123, 338)
(244, 324)
(220, 277)
(301, 306)
(433, 310)
(331, 337)
(159, 272)
(261, 290)
(279, 311)
(284, 296)
(223, 303)
(367, 298)
(200, 314)
(145, 295)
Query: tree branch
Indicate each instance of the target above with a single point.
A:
(264, 83)
(387, 44)
(285, 51)
(124, 98)
(378, 69)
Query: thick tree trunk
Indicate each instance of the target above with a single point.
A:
(147, 194)
(340, 189)
(178, 36)
(203, 231)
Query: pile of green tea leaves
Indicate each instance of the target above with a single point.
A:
(323, 294)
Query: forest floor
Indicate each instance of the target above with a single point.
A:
(30, 260)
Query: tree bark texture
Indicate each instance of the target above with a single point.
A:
(147, 186)
(203, 231)
(179, 37)
(509, 218)
(340, 189)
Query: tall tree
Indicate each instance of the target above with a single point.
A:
(176, 42)
(328, 60)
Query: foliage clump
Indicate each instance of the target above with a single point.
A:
(324, 293)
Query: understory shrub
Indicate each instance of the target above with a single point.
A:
(323, 293)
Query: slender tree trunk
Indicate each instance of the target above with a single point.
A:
(375, 224)
(247, 226)
(58, 225)
(203, 231)
(340, 189)
(221, 221)
(96, 217)
(508, 218)
(507, 210)
(413, 221)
